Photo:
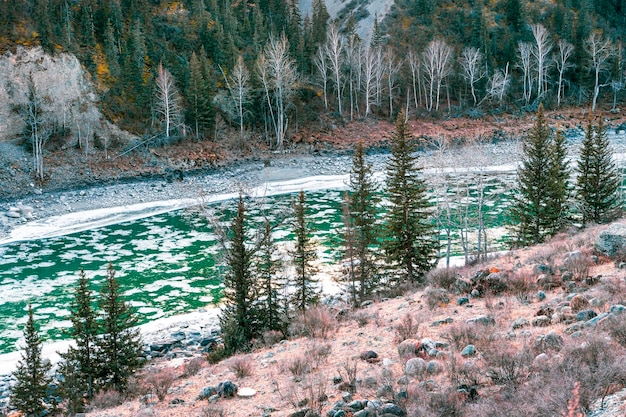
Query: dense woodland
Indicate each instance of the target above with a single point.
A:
(171, 69)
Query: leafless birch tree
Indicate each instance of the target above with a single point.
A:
(524, 49)
(37, 125)
(370, 70)
(391, 69)
(562, 62)
(334, 49)
(239, 90)
(413, 60)
(437, 64)
(167, 103)
(354, 49)
(319, 60)
(600, 50)
(497, 85)
(541, 52)
(278, 75)
(473, 71)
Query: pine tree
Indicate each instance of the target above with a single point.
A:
(120, 347)
(598, 179)
(200, 111)
(362, 209)
(408, 236)
(84, 331)
(31, 375)
(559, 194)
(532, 210)
(239, 319)
(304, 255)
(270, 298)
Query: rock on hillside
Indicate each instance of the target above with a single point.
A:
(68, 96)
(364, 12)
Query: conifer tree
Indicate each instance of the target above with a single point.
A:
(559, 210)
(200, 112)
(304, 255)
(119, 347)
(268, 265)
(84, 331)
(532, 210)
(408, 236)
(598, 179)
(362, 209)
(239, 319)
(31, 375)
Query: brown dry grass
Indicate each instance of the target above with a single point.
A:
(302, 369)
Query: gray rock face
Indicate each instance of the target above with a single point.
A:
(520, 323)
(541, 321)
(612, 240)
(468, 350)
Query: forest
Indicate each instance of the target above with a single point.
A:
(168, 70)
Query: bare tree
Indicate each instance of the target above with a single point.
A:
(600, 50)
(392, 68)
(319, 60)
(617, 83)
(370, 68)
(37, 125)
(167, 103)
(353, 51)
(238, 87)
(524, 49)
(541, 52)
(497, 85)
(416, 77)
(334, 49)
(437, 63)
(278, 75)
(473, 71)
(562, 62)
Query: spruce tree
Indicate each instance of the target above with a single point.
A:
(362, 209)
(120, 346)
(598, 178)
(84, 331)
(305, 291)
(559, 194)
(270, 292)
(409, 242)
(239, 319)
(532, 211)
(31, 375)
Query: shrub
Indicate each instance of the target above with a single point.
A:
(271, 337)
(216, 355)
(318, 322)
(579, 267)
(319, 352)
(406, 329)
(160, 381)
(107, 399)
(363, 318)
(299, 366)
(507, 367)
(616, 326)
(462, 334)
(520, 285)
(193, 366)
(442, 278)
(436, 297)
(241, 366)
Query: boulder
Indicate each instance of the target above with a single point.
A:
(415, 366)
(520, 323)
(226, 389)
(433, 367)
(617, 309)
(206, 393)
(468, 350)
(572, 259)
(612, 240)
(369, 356)
(585, 315)
(578, 303)
(541, 321)
(408, 348)
(550, 341)
(393, 409)
(482, 320)
(462, 300)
